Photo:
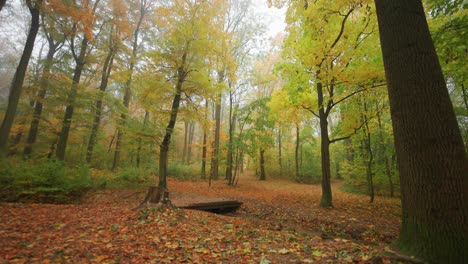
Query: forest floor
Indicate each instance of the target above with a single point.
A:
(279, 222)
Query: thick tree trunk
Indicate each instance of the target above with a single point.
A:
(262, 165)
(18, 79)
(66, 123)
(106, 71)
(431, 156)
(326, 200)
(44, 82)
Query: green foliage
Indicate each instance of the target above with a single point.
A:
(185, 172)
(49, 181)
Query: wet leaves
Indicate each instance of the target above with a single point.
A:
(277, 224)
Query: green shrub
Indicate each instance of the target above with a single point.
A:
(49, 181)
(132, 175)
(185, 172)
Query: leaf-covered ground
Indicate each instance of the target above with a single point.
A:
(279, 222)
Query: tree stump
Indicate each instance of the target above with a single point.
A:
(158, 196)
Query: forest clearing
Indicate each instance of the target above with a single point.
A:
(279, 222)
(340, 128)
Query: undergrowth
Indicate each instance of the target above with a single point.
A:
(48, 181)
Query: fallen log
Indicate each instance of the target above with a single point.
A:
(218, 207)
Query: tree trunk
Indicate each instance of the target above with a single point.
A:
(296, 153)
(262, 165)
(164, 147)
(204, 148)
(370, 156)
(190, 142)
(383, 153)
(185, 149)
(66, 123)
(106, 70)
(18, 79)
(127, 95)
(215, 158)
(280, 149)
(431, 156)
(232, 127)
(44, 82)
(145, 122)
(326, 200)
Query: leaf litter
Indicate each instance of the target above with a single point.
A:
(279, 222)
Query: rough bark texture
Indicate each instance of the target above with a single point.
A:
(66, 123)
(431, 156)
(326, 200)
(157, 195)
(18, 79)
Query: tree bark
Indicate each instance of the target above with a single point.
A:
(370, 156)
(232, 127)
(186, 132)
(280, 149)
(145, 122)
(262, 165)
(204, 148)
(190, 142)
(18, 79)
(431, 156)
(66, 123)
(44, 82)
(127, 94)
(164, 147)
(216, 150)
(326, 200)
(296, 153)
(106, 71)
(383, 153)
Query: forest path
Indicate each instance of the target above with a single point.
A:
(285, 203)
(279, 222)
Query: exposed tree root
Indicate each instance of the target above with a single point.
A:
(157, 197)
